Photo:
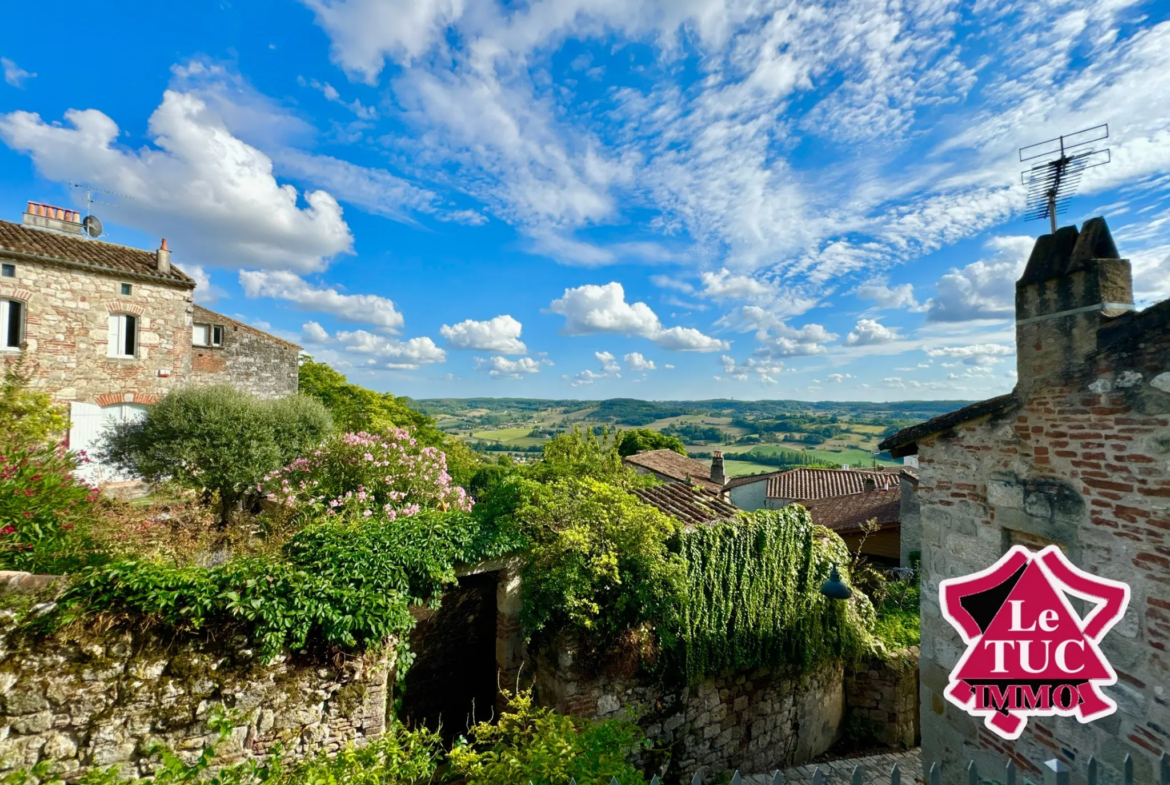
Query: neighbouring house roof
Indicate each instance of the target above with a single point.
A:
(748, 479)
(905, 441)
(203, 315)
(21, 242)
(848, 513)
(687, 503)
(801, 484)
(670, 464)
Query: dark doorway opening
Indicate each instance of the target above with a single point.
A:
(452, 683)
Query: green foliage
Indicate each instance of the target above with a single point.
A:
(599, 560)
(535, 745)
(635, 441)
(44, 510)
(585, 454)
(898, 622)
(753, 595)
(27, 417)
(217, 440)
(693, 432)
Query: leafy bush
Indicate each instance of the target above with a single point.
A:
(753, 595)
(585, 454)
(217, 440)
(44, 509)
(27, 417)
(361, 473)
(635, 441)
(536, 745)
(599, 560)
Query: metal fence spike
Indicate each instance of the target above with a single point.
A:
(1091, 771)
(655, 781)
(573, 781)
(777, 778)
(936, 774)
(818, 777)
(696, 781)
(972, 774)
(857, 776)
(736, 779)
(1164, 769)
(1009, 773)
(1056, 772)
(1127, 769)
(896, 775)
(613, 781)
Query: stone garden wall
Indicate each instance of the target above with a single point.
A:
(105, 700)
(882, 699)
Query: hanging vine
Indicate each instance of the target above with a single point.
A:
(754, 598)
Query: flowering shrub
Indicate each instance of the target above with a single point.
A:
(41, 506)
(363, 474)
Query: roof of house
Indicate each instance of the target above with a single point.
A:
(748, 479)
(687, 503)
(848, 513)
(43, 246)
(905, 441)
(677, 467)
(804, 484)
(201, 314)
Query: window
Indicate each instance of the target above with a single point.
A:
(207, 334)
(11, 324)
(7, 270)
(126, 288)
(123, 336)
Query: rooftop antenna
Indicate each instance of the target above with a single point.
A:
(1052, 182)
(91, 223)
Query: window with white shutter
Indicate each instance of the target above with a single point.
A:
(199, 334)
(123, 335)
(11, 324)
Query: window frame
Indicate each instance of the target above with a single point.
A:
(212, 330)
(6, 323)
(7, 270)
(123, 334)
(125, 289)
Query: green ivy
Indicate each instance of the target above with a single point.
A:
(753, 596)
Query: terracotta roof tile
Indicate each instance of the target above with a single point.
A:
(847, 513)
(18, 241)
(687, 503)
(747, 479)
(819, 483)
(677, 467)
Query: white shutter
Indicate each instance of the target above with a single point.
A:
(199, 335)
(5, 315)
(114, 337)
(85, 430)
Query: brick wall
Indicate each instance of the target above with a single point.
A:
(66, 331)
(249, 360)
(1081, 459)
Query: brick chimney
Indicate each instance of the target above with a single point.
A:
(1074, 283)
(48, 218)
(717, 475)
(870, 484)
(163, 254)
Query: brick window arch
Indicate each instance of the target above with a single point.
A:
(111, 398)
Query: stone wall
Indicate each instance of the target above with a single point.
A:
(754, 722)
(104, 702)
(910, 519)
(67, 328)
(882, 699)
(249, 360)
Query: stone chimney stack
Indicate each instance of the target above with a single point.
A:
(870, 484)
(717, 475)
(1073, 284)
(52, 219)
(163, 255)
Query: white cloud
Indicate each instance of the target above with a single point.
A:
(884, 296)
(985, 289)
(211, 194)
(500, 334)
(593, 309)
(837, 378)
(760, 370)
(775, 336)
(408, 355)
(206, 293)
(584, 378)
(609, 363)
(983, 354)
(354, 308)
(14, 75)
(723, 285)
(314, 333)
(666, 282)
(636, 362)
(362, 111)
(869, 332)
(668, 367)
(503, 368)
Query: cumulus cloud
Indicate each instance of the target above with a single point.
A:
(985, 289)
(609, 363)
(354, 308)
(503, 368)
(884, 296)
(314, 333)
(214, 196)
(593, 309)
(760, 370)
(500, 334)
(409, 354)
(869, 332)
(983, 354)
(206, 293)
(14, 75)
(636, 362)
(775, 336)
(723, 285)
(584, 378)
(837, 378)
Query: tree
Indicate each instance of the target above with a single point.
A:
(635, 441)
(27, 417)
(217, 440)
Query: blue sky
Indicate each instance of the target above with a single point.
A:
(600, 198)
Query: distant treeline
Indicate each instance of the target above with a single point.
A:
(782, 459)
(482, 446)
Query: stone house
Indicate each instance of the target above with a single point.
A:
(108, 329)
(849, 515)
(773, 490)
(1078, 455)
(669, 466)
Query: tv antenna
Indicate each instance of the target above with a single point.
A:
(92, 224)
(1052, 182)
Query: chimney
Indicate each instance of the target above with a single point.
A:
(164, 257)
(870, 484)
(1074, 283)
(717, 475)
(48, 218)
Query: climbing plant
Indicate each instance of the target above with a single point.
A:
(753, 595)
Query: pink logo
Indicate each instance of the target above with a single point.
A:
(1028, 652)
